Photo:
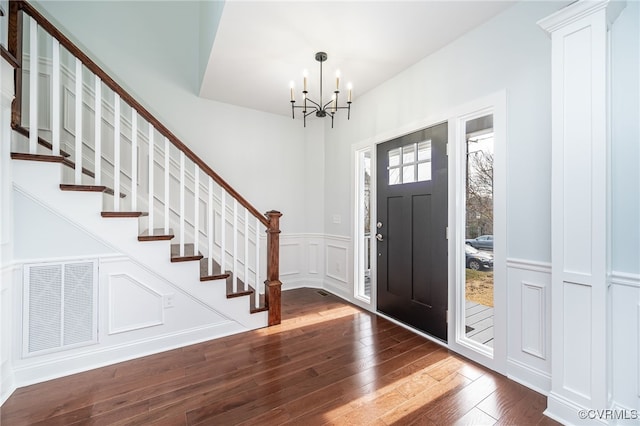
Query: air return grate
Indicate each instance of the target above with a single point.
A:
(60, 306)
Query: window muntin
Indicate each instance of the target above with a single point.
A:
(410, 163)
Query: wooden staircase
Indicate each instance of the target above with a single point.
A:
(217, 260)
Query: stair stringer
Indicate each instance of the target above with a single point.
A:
(42, 181)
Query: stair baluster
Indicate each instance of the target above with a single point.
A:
(116, 154)
(67, 71)
(196, 208)
(134, 160)
(150, 204)
(97, 130)
(33, 86)
(55, 100)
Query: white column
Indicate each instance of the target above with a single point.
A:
(580, 150)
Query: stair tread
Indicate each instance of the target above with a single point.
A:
(261, 303)
(123, 214)
(37, 157)
(217, 272)
(239, 288)
(82, 188)
(188, 255)
(25, 132)
(158, 235)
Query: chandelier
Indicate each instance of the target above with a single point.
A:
(321, 109)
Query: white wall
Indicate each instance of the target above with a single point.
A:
(508, 52)
(261, 155)
(210, 14)
(625, 209)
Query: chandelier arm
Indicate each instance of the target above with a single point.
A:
(317, 105)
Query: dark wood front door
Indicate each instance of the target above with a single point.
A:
(411, 229)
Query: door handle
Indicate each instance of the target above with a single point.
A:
(379, 237)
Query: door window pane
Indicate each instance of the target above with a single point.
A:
(408, 174)
(394, 176)
(408, 154)
(394, 157)
(424, 151)
(424, 171)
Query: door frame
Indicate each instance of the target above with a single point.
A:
(495, 358)
(495, 103)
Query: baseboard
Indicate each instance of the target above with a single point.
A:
(302, 283)
(7, 382)
(36, 372)
(528, 376)
(567, 412)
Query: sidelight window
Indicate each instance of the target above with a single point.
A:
(410, 163)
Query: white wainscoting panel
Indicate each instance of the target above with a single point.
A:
(533, 310)
(313, 251)
(132, 304)
(318, 261)
(140, 313)
(10, 280)
(529, 323)
(337, 258)
(291, 257)
(625, 340)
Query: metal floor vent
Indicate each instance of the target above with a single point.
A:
(60, 309)
(322, 293)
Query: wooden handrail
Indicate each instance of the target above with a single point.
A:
(271, 219)
(9, 57)
(109, 82)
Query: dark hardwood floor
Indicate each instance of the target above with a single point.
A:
(327, 363)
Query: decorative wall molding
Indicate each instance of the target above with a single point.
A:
(336, 258)
(146, 312)
(624, 278)
(529, 323)
(529, 265)
(534, 312)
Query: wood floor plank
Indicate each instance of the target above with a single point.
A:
(328, 362)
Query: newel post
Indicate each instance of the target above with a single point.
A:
(273, 283)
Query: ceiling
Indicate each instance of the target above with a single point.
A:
(262, 45)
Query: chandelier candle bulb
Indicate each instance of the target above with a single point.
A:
(350, 87)
(291, 87)
(304, 76)
(337, 80)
